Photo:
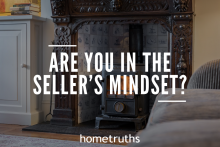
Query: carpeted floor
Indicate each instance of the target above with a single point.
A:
(87, 128)
(20, 141)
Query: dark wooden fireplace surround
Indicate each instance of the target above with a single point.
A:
(70, 15)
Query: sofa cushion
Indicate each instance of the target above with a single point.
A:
(193, 133)
(200, 104)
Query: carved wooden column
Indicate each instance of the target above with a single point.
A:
(63, 114)
(182, 39)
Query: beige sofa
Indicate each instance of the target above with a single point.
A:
(195, 123)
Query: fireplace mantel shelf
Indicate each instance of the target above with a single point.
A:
(120, 14)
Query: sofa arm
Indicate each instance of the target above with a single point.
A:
(200, 104)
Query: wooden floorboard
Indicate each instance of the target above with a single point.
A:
(16, 130)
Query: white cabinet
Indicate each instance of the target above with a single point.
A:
(20, 60)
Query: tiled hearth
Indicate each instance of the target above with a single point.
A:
(111, 38)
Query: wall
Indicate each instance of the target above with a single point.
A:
(48, 36)
(206, 32)
(6, 4)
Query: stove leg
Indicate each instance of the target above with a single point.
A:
(97, 124)
(145, 124)
(138, 126)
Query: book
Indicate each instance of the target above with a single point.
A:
(24, 12)
(24, 8)
(26, 4)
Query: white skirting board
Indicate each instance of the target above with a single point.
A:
(21, 118)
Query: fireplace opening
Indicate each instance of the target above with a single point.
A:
(118, 38)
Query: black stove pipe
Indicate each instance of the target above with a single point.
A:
(136, 41)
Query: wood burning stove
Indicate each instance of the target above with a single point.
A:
(124, 107)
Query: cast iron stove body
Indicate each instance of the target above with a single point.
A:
(124, 107)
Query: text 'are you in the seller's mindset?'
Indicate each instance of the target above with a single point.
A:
(67, 63)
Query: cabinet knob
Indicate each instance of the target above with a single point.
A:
(23, 66)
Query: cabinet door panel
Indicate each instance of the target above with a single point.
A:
(13, 92)
(9, 68)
